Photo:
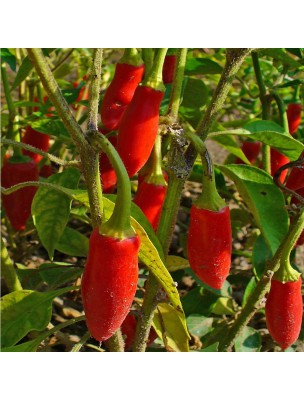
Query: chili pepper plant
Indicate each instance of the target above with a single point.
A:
(152, 200)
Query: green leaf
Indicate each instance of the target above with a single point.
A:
(4, 119)
(29, 277)
(52, 127)
(51, 210)
(224, 306)
(25, 311)
(73, 243)
(9, 58)
(294, 82)
(249, 340)
(296, 52)
(199, 301)
(170, 325)
(249, 289)
(70, 95)
(225, 291)
(195, 97)
(58, 273)
(213, 348)
(231, 145)
(199, 325)
(264, 199)
(202, 66)
(260, 255)
(176, 263)
(23, 72)
(282, 56)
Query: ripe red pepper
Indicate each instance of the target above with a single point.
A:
(168, 69)
(109, 283)
(294, 116)
(128, 74)
(284, 309)
(18, 204)
(83, 93)
(107, 173)
(277, 160)
(210, 245)
(295, 180)
(36, 139)
(45, 171)
(251, 151)
(138, 128)
(128, 329)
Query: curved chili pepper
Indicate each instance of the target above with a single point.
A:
(210, 245)
(295, 180)
(109, 282)
(251, 151)
(36, 139)
(18, 204)
(138, 128)
(168, 69)
(128, 329)
(284, 309)
(128, 74)
(277, 160)
(294, 116)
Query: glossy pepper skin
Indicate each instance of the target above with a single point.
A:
(150, 199)
(109, 283)
(36, 139)
(295, 180)
(138, 128)
(277, 160)
(210, 245)
(18, 204)
(128, 329)
(119, 94)
(168, 68)
(284, 309)
(294, 116)
(251, 151)
(107, 173)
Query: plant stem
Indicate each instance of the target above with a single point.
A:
(82, 341)
(256, 298)
(177, 85)
(282, 112)
(265, 100)
(63, 59)
(8, 271)
(94, 90)
(154, 78)
(148, 57)
(180, 167)
(51, 157)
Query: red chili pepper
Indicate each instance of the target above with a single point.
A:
(138, 128)
(210, 245)
(82, 94)
(168, 69)
(18, 204)
(284, 309)
(251, 151)
(36, 139)
(107, 173)
(45, 171)
(128, 329)
(294, 116)
(277, 160)
(109, 283)
(295, 180)
(128, 74)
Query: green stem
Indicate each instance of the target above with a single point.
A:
(255, 301)
(8, 271)
(282, 112)
(119, 224)
(131, 57)
(116, 342)
(82, 341)
(94, 90)
(154, 78)
(51, 87)
(49, 156)
(177, 85)
(148, 57)
(156, 176)
(265, 100)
